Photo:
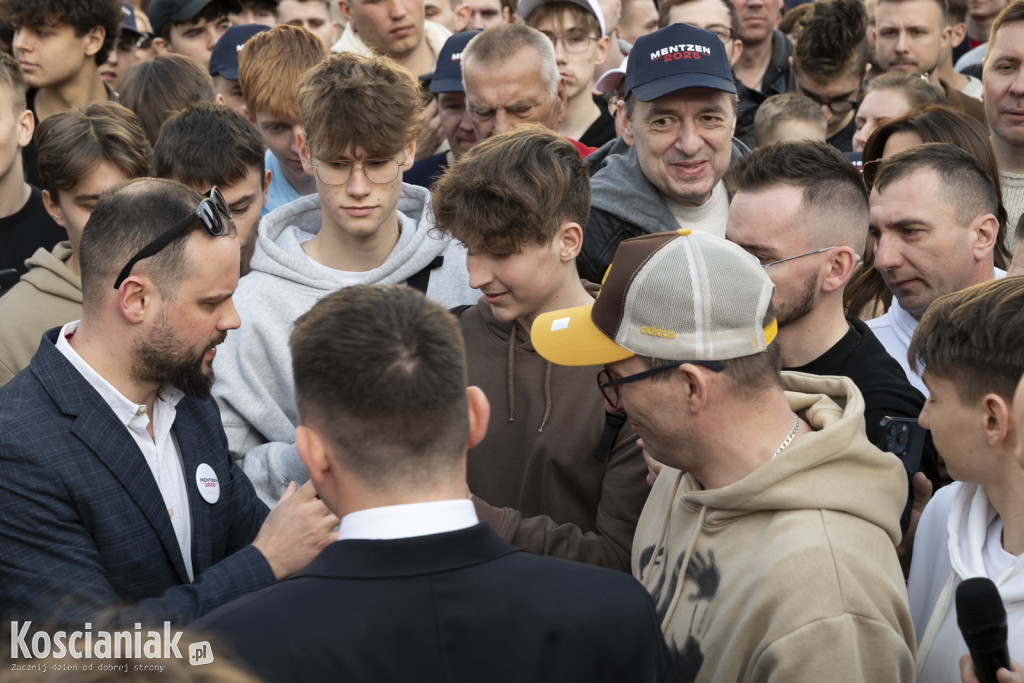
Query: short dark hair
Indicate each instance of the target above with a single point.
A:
(666, 7)
(943, 6)
(973, 338)
(833, 40)
(211, 12)
(72, 143)
(965, 182)
(831, 186)
(940, 123)
(127, 217)
(956, 11)
(158, 88)
(512, 190)
(208, 144)
(380, 371)
(81, 15)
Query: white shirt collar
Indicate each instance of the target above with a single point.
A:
(125, 409)
(406, 521)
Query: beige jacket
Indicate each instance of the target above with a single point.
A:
(48, 295)
(789, 574)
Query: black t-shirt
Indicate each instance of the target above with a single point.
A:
(603, 129)
(887, 392)
(24, 231)
(843, 140)
(425, 171)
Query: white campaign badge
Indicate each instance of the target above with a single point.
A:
(209, 485)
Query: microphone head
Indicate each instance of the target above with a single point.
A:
(980, 614)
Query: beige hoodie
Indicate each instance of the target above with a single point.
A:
(48, 295)
(789, 574)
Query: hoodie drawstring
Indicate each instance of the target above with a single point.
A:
(512, 371)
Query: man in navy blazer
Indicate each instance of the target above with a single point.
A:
(119, 501)
(417, 588)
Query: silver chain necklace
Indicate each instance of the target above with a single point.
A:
(789, 439)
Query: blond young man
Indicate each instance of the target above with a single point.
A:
(360, 118)
(269, 66)
(556, 475)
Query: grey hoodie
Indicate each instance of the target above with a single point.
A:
(253, 366)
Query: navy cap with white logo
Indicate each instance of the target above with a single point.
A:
(224, 60)
(448, 71)
(677, 57)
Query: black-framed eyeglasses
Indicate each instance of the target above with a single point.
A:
(212, 212)
(377, 171)
(723, 32)
(836, 105)
(573, 42)
(610, 387)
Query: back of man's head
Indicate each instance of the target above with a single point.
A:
(380, 373)
(82, 15)
(12, 80)
(973, 339)
(835, 202)
(73, 143)
(351, 102)
(127, 218)
(513, 190)
(157, 88)
(962, 179)
(501, 43)
(833, 41)
(208, 144)
(270, 65)
(800, 112)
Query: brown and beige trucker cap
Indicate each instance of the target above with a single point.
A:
(672, 295)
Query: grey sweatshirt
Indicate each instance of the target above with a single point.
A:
(253, 366)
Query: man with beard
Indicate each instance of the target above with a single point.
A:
(801, 209)
(120, 503)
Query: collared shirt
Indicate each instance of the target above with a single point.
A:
(407, 521)
(160, 451)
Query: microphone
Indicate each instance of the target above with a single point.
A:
(982, 620)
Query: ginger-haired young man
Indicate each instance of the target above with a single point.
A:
(209, 145)
(360, 117)
(968, 344)
(559, 476)
(269, 66)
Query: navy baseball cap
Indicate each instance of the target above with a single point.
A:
(448, 71)
(224, 60)
(162, 11)
(677, 57)
(128, 19)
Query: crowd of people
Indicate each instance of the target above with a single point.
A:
(302, 308)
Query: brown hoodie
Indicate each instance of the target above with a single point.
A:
(545, 490)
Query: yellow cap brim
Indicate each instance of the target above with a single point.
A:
(569, 337)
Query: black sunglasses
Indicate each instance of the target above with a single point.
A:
(211, 211)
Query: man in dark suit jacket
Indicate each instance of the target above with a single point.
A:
(417, 588)
(119, 501)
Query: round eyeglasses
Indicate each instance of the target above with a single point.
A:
(573, 42)
(377, 171)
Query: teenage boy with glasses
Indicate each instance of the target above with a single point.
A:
(576, 29)
(360, 117)
(555, 474)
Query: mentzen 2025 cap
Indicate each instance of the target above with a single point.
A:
(677, 57)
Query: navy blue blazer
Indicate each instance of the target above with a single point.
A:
(83, 527)
(457, 606)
